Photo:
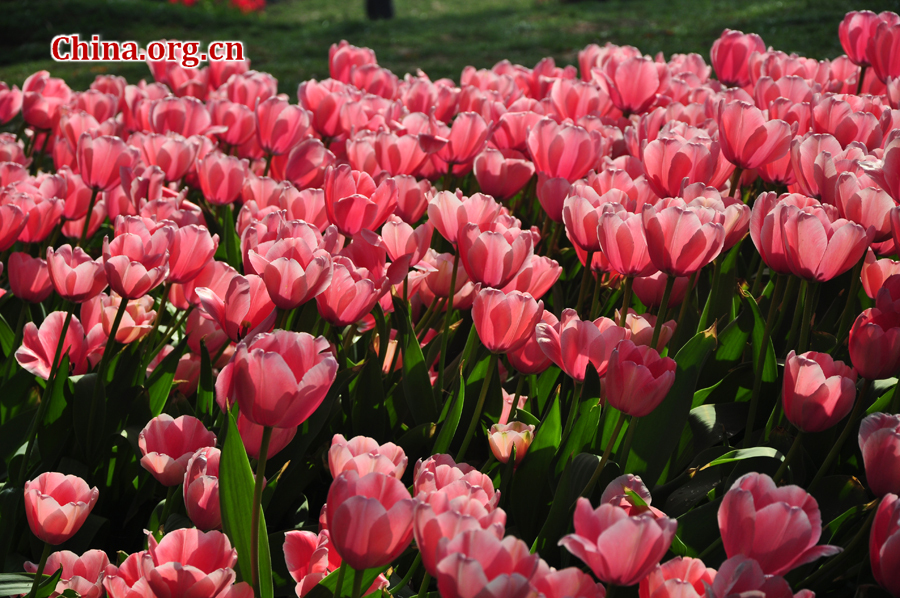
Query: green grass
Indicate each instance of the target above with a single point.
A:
(291, 39)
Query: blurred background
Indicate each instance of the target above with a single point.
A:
(290, 38)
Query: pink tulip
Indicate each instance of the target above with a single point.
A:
(740, 575)
(39, 345)
(883, 50)
(221, 177)
(855, 30)
(730, 56)
(682, 577)
(623, 241)
(477, 563)
(650, 289)
(502, 173)
(570, 582)
(503, 438)
(293, 272)
(189, 562)
(280, 125)
(128, 581)
(42, 98)
(529, 358)
(635, 83)
(43, 214)
(236, 122)
(136, 322)
(351, 294)
(875, 272)
(817, 248)
(100, 159)
(29, 278)
(678, 242)
(818, 391)
(618, 548)
(883, 544)
(466, 139)
(671, 163)
(364, 455)
(809, 156)
(875, 343)
(10, 102)
(617, 494)
(307, 558)
(637, 378)
(867, 206)
(442, 473)
(748, 139)
(505, 321)
(137, 259)
(279, 379)
(412, 198)
(174, 154)
(201, 489)
(57, 505)
(574, 343)
(492, 255)
(879, 442)
(252, 435)
(642, 325)
(449, 212)
(243, 310)
(777, 527)
(403, 242)
(537, 276)
(192, 248)
(562, 151)
(82, 574)
(369, 518)
(167, 444)
(354, 202)
(12, 220)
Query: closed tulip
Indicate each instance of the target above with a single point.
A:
(245, 308)
(502, 173)
(875, 272)
(192, 248)
(100, 160)
(189, 562)
(730, 56)
(740, 575)
(854, 32)
(279, 379)
(404, 243)
(624, 242)
(172, 153)
(562, 151)
(29, 277)
(221, 177)
(10, 102)
(57, 505)
(167, 444)
(505, 321)
(12, 220)
(817, 248)
(635, 83)
(440, 472)
(682, 577)
(618, 548)
(39, 345)
(529, 358)
(879, 442)
(467, 137)
(82, 574)
(678, 242)
(573, 343)
(351, 295)
(570, 582)
(883, 50)
(449, 212)
(583, 210)
(748, 138)
(354, 202)
(369, 518)
(671, 163)
(637, 378)
(477, 563)
(492, 255)
(884, 544)
(875, 343)
(201, 489)
(137, 259)
(753, 518)
(502, 438)
(818, 391)
(364, 455)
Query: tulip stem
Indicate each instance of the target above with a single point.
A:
(513, 411)
(735, 183)
(626, 300)
(172, 329)
(39, 574)
(611, 590)
(342, 570)
(573, 409)
(595, 300)
(423, 589)
(809, 309)
(479, 406)
(268, 164)
(895, 400)
(862, 76)
(848, 427)
(761, 361)
(426, 318)
(167, 510)
(282, 318)
(357, 583)
(257, 508)
(409, 573)
(795, 448)
(802, 294)
(625, 449)
(45, 397)
(24, 315)
(87, 218)
(603, 459)
(663, 307)
(585, 277)
(448, 315)
(848, 313)
(686, 302)
(100, 380)
(160, 310)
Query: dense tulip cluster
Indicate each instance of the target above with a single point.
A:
(543, 271)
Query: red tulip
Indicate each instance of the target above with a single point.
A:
(476, 563)
(29, 277)
(39, 345)
(678, 241)
(81, 574)
(741, 575)
(883, 544)
(730, 56)
(818, 391)
(777, 527)
(57, 505)
(167, 444)
(574, 343)
(201, 489)
(637, 378)
(682, 577)
(502, 173)
(243, 310)
(369, 518)
(879, 442)
(817, 248)
(748, 138)
(618, 548)
(364, 455)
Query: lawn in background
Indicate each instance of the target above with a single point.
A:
(291, 38)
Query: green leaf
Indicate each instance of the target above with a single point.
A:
(236, 501)
(659, 433)
(741, 454)
(57, 396)
(160, 382)
(451, 422)
(14, 584)
(769, 388)
(48, 585)
(711, 424)
(7, 336)
(699, 528)
(732, 342)
(367, 410)
(326, 587)
(416, 383)
(230, 238)
(206, 387)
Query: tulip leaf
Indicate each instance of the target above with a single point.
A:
(7, 337)
(14, 584)
(236, 499)
(417, 387)
(718, 304)
(230, 238)
(57, 395)
(206, 386)
(367, 409)
(659, 433)
(770, 368)
(326, 588)
(48, 584)
(837, 493)
(711, 424)
(532, 488)
(699, 528)
(741, 454)
(160, 382)
(451, 422)
(730, 350)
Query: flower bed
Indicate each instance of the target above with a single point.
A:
(412, 337)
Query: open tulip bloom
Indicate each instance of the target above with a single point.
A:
(500, 337)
